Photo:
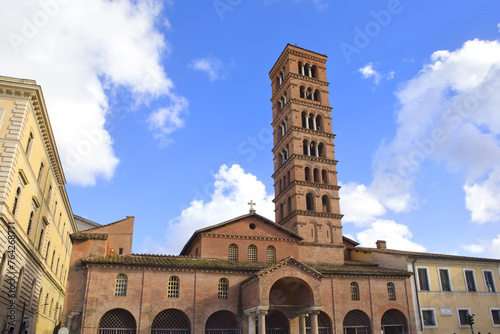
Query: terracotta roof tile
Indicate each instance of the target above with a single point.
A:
(146, 260)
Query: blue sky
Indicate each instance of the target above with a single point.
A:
(161, 111)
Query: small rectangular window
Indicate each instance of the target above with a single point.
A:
(444, 276)
(429, 318)
(470, 282)
(120, 251)
(489, 282)
(423, 279)
(495, 317)
(463, 317)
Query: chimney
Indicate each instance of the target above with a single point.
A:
(381, 244)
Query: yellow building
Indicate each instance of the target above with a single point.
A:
(446, 288)
(35, 214)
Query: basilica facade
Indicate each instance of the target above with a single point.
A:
(250, 274)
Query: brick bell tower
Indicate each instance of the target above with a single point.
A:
(305, 177)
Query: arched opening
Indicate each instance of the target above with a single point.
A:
(289, 205)
(394, 322)
(391, 291)
(288, 178)
(271, 254)
(171, 321)
(117, 321)
(314, 71)
(310, 122)
(316, 96)
(319, 126)
(321, 150)
(277, 323)
(307, 172)
(356, 322)
(280, 186)
(16, 200)
(305, 147)
(309, 94)
(304, 120)
(316, 175)
(354, 291)
(324, 324)
(325, 203)
(281, 211)
(324, 176)
(300, 68)
(173, 287)
(222, 322)
(309, 202)
(313, 149)
(252, 250)
(233, 252)
(302, 92)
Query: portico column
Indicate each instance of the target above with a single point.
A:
(314, 322)
(262, 321)
(251, 323)
(302, 323)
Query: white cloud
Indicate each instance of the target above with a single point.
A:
(396, 235)
(233, 189)
(494, 248)
(369, 72)
(76, 51)
(358, 205)
(476, 249)
(212, 66)
(448, 114)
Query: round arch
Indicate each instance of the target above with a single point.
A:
(356, 322)
(222, 322)
(277, 323)
(394, 322)
(292, 292)
(169, 321)
(117, 320)
(324, 324)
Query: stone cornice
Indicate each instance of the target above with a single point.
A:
(310, 214)
(245, 237)
(308, 131)
(290, 49)
(301, 103)
(300, 77)
(303, 157)
(306, 184)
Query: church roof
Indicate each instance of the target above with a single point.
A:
(252, 214)
(259, 268)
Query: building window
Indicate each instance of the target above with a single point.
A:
(121, 285)
(309, 202)
(16, 200)
(470, 281)
(429, 318)
(325, 203)
(223, 288)
(19, 281)
(423, 279)
(29, 144)
(40, 173)
(270, 254)
(444, 278)
(354, 291)
(489, 282)
(173, 287)
(463, 317)
(391, 291)
(495, 316)
(120, 251)
(233, 252)
(252, 253)
(30, 223)
(46, 303)
(40, 241)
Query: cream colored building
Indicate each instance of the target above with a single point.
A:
(35, 214)
(446, 288)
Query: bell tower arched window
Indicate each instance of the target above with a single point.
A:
(307, 172)
(310, 202)
(325, 202)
